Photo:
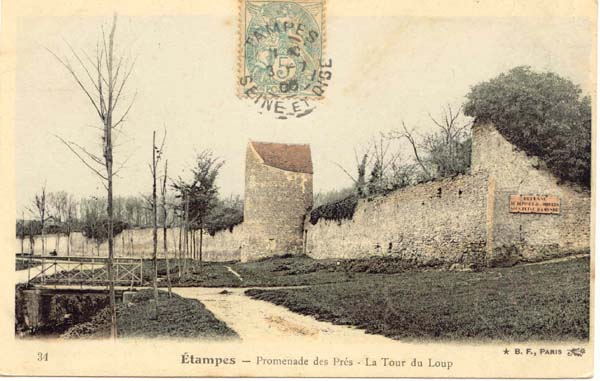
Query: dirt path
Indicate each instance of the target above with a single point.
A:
(259, 320)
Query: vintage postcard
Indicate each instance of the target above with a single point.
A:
(297, 188)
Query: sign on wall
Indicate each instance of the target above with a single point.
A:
(538, 204)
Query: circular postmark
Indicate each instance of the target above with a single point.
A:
(287, 103)
(283, 66)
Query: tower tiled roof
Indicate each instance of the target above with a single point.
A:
(289, 157)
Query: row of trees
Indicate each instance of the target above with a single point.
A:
(102, 78)
(64, 214)
(383, 166)
(194, 207)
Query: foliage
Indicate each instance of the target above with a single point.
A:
(381, 167)
(30, 228)
(98, 229)
(448, 151)
(541, 113)
(225, 214)
(445, 152)
(337, 210)
(201, 192)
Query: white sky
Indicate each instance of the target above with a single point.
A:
(386, 69)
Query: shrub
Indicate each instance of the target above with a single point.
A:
(337, 210)
(98, 230)
(541, 113)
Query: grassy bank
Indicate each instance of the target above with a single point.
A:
(24, 264)
(538, 302)
(178, 318)
(280, 271)
(277, 271)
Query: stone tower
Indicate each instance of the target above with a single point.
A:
(278, 196)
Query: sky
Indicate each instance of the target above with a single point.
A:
(385, 70)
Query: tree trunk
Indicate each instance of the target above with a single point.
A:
(22, 232)
(185, 251)
(194, 245)
(179, 251)
(154, 228)
(43, 239)
(186, 232)
(200, 246)
(69, 241)
(108, 158)
(166, 254)
(164, 207)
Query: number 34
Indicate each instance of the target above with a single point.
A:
(42, 356)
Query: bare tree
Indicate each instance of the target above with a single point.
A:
(40, 208)
(156, 156)
(163, 192)
(70, 219)
(374, 167)
(199, 196)
(21, 231)
(385, 160)
(58, 203)
(362, 160)
(31, 237)
(444, 152)
(409, 136)
(102, 81)
(448, 149)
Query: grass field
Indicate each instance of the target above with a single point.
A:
(178, 318)
(280, 271)
(537, 302)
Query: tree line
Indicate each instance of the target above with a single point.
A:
(103, 76)
(65, 214)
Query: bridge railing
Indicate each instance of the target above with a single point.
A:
(83, 270)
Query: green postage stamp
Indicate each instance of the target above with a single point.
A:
(281, 47)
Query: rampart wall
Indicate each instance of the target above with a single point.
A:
(465, 220)
(521, 236)
(431, 223)
(223, 246)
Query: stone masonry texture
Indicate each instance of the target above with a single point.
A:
(426, 224)
(463, 220)
(276, 202)
(527, 237)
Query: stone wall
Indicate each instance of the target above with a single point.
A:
(464, 220)
(431, 223)
(276, 202)
(223, 246)
(528, 237)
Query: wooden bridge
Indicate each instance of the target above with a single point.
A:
(82, 271)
